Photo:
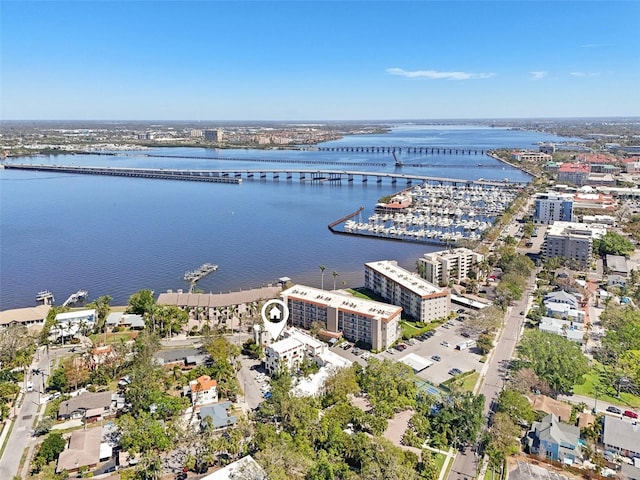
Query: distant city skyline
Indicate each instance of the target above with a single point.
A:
(318, 60)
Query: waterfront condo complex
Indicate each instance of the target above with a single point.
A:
(373, 323)
(439, 268)
(419, 299)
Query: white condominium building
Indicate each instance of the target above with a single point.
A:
(553, 207)
(441, 267)
(286, 353)
(419, 299)
(572, 240)
(373, 323)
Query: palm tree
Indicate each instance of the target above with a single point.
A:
(335, 275)
(322, 269)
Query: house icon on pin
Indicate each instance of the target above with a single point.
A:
(274, 314)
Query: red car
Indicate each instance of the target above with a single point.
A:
(630, 414)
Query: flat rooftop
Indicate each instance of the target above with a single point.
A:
(405, 278)
(342, 301)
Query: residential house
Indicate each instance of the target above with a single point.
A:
(203, 390)
(564, 311)
(83, 451)
(543, 403)
(126, 320)
(621, 435)
(88, 406)
(217, 416)
(244, 469)
(554, 440)
(562, 297)
(565, 328)
(618, 265)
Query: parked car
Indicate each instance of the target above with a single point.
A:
(435, 358)
(348, 346)
(630, 414)
(455, 371)
(445, 344)
(613, 409)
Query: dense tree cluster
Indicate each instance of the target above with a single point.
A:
(556, 360)
(620, 348)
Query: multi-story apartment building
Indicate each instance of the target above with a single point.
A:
(419, 299)
(286, 353)
(553, 207)
(573, 173)
(441, 267)
(373, 323)
(213, 136)
(572, 241)
(530, 156)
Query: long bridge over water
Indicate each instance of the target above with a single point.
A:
(236, 176)
(416, 150)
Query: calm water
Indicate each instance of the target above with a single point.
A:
(115, 236)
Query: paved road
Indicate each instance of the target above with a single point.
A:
(464, 466)
(21, 434)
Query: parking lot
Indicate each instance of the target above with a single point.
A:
(443, 345)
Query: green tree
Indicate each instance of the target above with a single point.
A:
(339, 384)
(142, 303)
(558, 361)
(322, 269)
(516, 406)
(102, 306)
(51, 447)
(505, 441)
(142, 434)
(613, 243)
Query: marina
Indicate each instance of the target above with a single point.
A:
(434, 214)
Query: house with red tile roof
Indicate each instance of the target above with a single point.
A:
(203, 390)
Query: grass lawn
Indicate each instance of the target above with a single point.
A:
(439, 459)
(98, 338)
(465, 382)
(587, 390)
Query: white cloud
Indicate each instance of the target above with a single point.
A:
(538, 75)
(434, 75)
(585, 74)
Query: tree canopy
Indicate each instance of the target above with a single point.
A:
(612, 243)
(558, 361)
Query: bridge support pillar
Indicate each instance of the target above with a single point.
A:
(364, 179)
(379, 180)
(350, 178)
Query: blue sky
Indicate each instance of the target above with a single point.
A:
(327, 60)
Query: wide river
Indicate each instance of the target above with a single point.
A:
(115, 236)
